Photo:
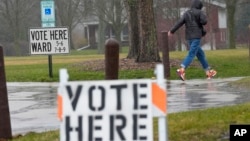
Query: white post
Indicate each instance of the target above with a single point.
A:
(64, 76)
(162, 121)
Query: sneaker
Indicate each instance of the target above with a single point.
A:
(181, 74)
(211, 73)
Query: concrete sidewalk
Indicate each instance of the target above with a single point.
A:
(33, 105)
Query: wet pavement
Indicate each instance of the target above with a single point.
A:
(33, 105)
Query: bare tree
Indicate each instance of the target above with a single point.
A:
(133, 25)
(231, 9)
(243, 21)
(171, 12)
(141, 18)
(16, 18)
(231, 6)
(99, 10)
(148, 51)
(70, 13)
(110, 13)
(101, 32)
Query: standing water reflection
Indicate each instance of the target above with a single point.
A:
(33, 106)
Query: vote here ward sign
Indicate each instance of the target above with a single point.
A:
(119, 110)
(49, 40)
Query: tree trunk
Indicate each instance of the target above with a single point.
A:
(101, 36)
(231, 8)
(178, 33)
(133, 26)
(148, 51)
(118, 24)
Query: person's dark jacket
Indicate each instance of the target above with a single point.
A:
(194, 19)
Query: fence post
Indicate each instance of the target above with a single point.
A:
(111, 59)
(5, 126)
(165, 54)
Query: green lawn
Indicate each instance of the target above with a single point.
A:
(200, 125)
(228, 63)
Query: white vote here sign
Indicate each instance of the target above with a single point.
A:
(106, 110)
(49, 40)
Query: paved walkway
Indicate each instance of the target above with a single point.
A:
(33, 105)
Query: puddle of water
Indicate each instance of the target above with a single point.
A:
(33, 105)
(184, 96)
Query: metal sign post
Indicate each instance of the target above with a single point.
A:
(162, 120)
(48, 20)
(49, 41)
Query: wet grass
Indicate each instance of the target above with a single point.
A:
(228, 63)
(200, 125)
(243, 83)
(46, 136)
(207, 125)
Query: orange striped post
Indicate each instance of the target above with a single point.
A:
(159, 98)
(64, 77)
(59, 107)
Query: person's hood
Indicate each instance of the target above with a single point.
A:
(197, 4)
